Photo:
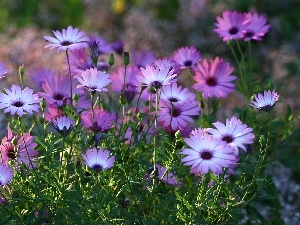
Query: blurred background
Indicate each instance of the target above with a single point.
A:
(163, 26)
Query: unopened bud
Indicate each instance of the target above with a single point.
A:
(111, 60)
(126, 58)
(21, 74)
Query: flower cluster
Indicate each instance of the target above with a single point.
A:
(121, 120)
(235, 25)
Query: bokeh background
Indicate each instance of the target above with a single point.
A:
(162, 26)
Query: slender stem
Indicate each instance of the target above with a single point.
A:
(70, 77)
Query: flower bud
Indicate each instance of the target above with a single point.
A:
(126, 58)
(111, 60)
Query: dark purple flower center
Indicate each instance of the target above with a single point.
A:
(10, 151)
(233, 30)
(175, 112)
(206, 155)
(249, 34)
(188, 63)
(97, 167)
(156, 85)
(227, 138)
(58, 96)
(173, 99)
(66, 43)
(17, 103)
(211, 81)
(266, 108)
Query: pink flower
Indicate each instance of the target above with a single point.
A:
(16, 101)
(214, 78)
(206, 154)
(187, 57)
(158, 75)
(63, 124)
(178, 115)
(56, 90)
(98, 121)
(231, 25)
(21, 152)
(67, 39)
(98, 159)
(94, 80)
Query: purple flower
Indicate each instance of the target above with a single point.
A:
(98, 160)
(16, 101)
(67, 39)
(234, 132)
(257, 27)
(118, 46)
(80, 61)
(231, 25)
(3, 70)
(6, 174)
(132, 85)
(187, 57)
(174, 93)
(94, 80)
(142, 58)
(207, 154)
(213, 78)
(56, 90)
(98, 120)
(158, 75)
(103, 45)
(21, 152)
(63, 125)
(177, 115)
(38, 76)
(265, 101)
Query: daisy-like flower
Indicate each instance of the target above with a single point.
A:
(174, 93)
(94, 80)
(69, 38)
(6, 174)
(158, 75)
(187, 57)
(178, 115)
(257, 28)
(231, 25)
(63, 124)
(265, 101)
(207, 154)
(98, 121)
(98, 159)
(213, 78)
(16, 101)
(21, 152)
(142, 58)
(3, 70)
(56, 90)
(234, 132)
